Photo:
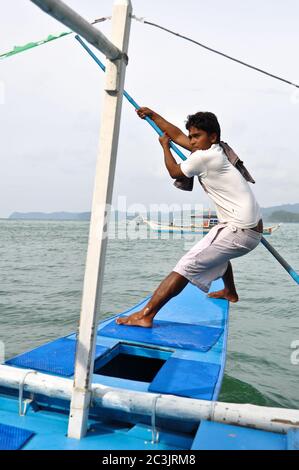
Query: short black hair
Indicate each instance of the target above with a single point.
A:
(206, 121)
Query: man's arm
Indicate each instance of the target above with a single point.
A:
(174, 169)
(172, 131)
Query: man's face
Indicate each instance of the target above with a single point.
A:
(201, 140)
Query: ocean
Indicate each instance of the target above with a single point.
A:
(42, 269)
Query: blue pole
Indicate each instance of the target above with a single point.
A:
(131, 100)
(281, 260)
(269, 247)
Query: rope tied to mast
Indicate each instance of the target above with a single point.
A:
(99, 20)
(215, 51)
(142, 19)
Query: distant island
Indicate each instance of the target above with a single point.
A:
(283, 216)
(288, 213)
(288, 208)
(50, 216)
(63, 216)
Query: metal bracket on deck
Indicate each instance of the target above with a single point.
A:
(212, 412)
(155, 432)
(27, 401)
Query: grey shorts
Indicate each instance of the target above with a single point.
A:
(208, 259)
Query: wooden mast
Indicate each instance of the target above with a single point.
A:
(116, 53)
(95, 263)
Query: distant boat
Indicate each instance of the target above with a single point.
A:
(173, 228)
(270, 230)
(203, 228)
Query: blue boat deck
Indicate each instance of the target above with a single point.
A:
(188, 340)
(186, 346)
(49, 428)
(219, 436)
(183, 354)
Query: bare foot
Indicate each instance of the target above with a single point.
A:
(136, 319)
(224, 294)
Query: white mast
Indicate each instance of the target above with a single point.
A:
(95, 263)
(116, 53)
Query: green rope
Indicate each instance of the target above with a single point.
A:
(30, 45)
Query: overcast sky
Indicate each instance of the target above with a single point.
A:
(52, 95)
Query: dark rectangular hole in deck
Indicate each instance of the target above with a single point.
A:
(131, 367)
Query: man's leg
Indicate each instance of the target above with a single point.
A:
(171, 286)
(229, 292)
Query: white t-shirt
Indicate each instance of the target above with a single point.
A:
(235, 202)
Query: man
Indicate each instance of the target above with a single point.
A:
(240, 225)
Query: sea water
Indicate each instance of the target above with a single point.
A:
(41, 279)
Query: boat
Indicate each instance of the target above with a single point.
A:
(271, 229)
(183, 355)
(210, 219)
(199, 229)
(115, 387)
(173, 228)
(153, 389)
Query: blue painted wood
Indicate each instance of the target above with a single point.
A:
(191, 307)
(293, 439)
(167, 334)
(218, 436)
(13, 438)
(55, 358)
(50, 430)
(182, 441)
(208, 312)
(185, 378)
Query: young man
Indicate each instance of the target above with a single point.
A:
(240, 226)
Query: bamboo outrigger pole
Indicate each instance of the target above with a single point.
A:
(116, 53)
(63, 13)
(188, 410)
